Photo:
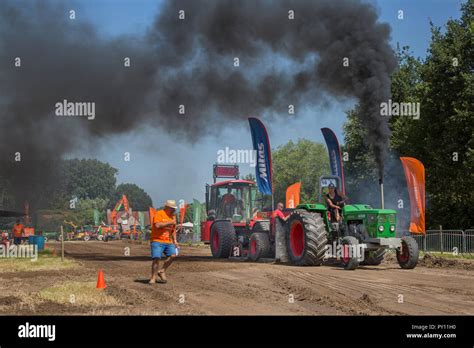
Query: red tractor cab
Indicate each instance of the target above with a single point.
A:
(236, 224)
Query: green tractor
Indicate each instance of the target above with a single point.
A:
(362, 236)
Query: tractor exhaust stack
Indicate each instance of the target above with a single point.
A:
(381, 193)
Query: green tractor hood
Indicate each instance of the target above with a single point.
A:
(365, 209)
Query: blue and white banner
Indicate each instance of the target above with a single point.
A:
(261, 144)
(334, 151)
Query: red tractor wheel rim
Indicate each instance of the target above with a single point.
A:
(345, 253)
(297, 238)
(253, 247)
(403, 256)
(215, 241)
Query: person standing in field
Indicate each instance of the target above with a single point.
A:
(278, 213)
(163, 241)
(18, 232)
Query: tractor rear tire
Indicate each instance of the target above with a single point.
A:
(222, 239)
(306, 238)
(374, 257)
(350, 263)
(408, 257)
(259, 246)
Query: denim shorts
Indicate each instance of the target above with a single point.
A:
(157, 249)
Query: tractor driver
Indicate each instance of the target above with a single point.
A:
(335, 202)
(227, 202)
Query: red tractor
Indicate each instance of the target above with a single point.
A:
(237, 224)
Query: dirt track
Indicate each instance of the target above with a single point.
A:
(210, 286)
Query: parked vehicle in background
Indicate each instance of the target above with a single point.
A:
(110, 233)
(50, 235)
(132, 233)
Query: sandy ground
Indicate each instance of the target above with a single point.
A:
(199, 284)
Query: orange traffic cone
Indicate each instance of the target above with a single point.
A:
(101, 281)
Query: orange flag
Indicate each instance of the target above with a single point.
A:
(182, 213)
(293, 195)
(152, 215)
(415, 175)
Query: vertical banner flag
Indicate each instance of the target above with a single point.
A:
(96, 217)
(293, 195)
(261, 145)
(141, 218)
(152, 215)
(196, 220)
(415, 175)
(182, 214)
(335, 158)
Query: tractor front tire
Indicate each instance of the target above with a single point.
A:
(261, 226)
(349, 263)
(259, 246)
(306, 238)
(407, 257)
(222, 239)
(374, 257)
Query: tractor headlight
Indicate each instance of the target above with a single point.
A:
(381, 228)
(392, 228)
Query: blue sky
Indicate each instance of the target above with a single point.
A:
(182, 172)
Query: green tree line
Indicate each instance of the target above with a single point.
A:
(442, 137)
(81, 187)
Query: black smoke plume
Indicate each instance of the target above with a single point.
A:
(186, 62)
